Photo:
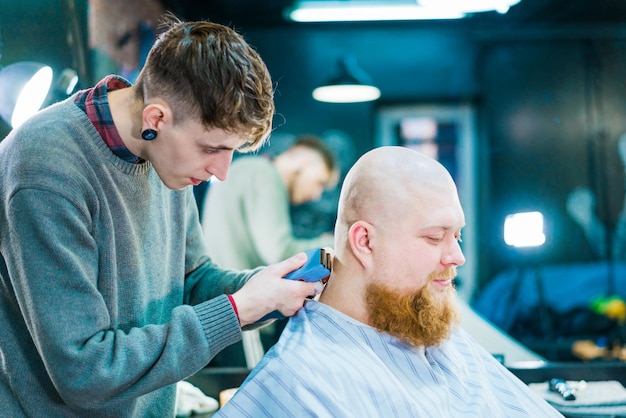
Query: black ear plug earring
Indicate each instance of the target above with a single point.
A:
(148, 134)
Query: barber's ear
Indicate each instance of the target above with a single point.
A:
(360, 237)
(154, 115)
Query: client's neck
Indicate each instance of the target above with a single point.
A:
(344, 292)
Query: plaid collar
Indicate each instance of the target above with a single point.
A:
(95, 103)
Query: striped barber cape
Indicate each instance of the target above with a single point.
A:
(327, 364)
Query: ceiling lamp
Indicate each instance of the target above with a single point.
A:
(379, 10)
(352, 85)
(470, 6)
(24, 87)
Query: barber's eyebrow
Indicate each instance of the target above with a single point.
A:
(222, 147)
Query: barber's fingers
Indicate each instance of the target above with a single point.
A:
(282, 268)
(318, 287)
(268, 291)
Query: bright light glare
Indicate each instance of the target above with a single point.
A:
(71, 84)
(524, 229)
(346, 93)
(340, 11)
(350, 11)
(474, 6)
(32, 96)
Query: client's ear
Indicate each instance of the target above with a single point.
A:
(360, 239)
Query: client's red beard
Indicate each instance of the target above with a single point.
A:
(424, 318)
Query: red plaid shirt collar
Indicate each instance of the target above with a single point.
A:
(95, 103)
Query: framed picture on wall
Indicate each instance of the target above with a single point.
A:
(447, 133)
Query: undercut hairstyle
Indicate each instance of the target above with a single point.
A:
(207, 71)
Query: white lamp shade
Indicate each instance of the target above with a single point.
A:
(352, 85)
(346, 93)
(24, 87)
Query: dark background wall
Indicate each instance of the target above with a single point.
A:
(550, 101)
(553, 111)
(550, 106)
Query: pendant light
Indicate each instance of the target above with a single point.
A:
(351, 85)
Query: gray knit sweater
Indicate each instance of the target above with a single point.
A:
(106, 295)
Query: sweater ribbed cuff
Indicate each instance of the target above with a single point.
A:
(219, 322)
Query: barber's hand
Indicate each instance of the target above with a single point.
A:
(268, 291)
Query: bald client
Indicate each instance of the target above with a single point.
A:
(383, 339)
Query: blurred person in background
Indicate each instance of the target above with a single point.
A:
(247, 223)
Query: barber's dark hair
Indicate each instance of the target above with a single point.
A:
(317, 144)
(208, 71)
